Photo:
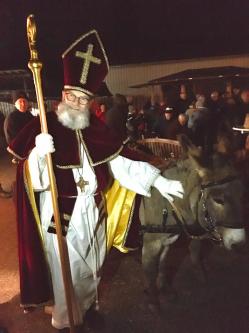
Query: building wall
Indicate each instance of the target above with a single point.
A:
(121, 77)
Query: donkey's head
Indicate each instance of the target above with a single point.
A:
(216, 200)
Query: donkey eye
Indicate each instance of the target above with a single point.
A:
(219, 201)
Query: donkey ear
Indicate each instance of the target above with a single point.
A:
(188, 147)
(225, 140)
(185, 142)
(195, 155)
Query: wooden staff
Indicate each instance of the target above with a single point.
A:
(35, 66)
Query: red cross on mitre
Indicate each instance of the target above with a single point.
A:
(85, 64)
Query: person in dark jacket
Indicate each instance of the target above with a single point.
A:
(17, 119)
(116, 116)
(164, 123)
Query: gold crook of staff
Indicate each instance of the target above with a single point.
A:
(35, 66)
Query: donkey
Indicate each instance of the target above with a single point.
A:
(211, 209)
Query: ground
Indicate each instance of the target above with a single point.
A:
(220, 305)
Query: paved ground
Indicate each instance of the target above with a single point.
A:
(219, 306)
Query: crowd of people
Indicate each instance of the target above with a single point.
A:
(197, 116)
(200, 117)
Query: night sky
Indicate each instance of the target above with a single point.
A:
(132, 31)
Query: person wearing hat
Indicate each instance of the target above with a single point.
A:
(86, 157)
(19, 118)
(162, 128)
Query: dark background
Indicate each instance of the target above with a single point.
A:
(133, 31)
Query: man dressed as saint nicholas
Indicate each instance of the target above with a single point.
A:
(97, 178)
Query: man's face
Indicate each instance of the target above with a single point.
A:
(214, 96)
(77, 100)
(102, 108)
(236, 91)
(22, 104)
(73, 112)
(168, 115)
(182, 118)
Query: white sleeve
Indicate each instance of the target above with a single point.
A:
(134, 175)
(38, 171)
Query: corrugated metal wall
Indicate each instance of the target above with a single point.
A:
(121, 77)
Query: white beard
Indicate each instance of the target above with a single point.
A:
(71, 118)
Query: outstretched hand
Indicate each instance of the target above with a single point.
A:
(169, 188)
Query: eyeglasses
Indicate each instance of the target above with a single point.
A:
(73, 99)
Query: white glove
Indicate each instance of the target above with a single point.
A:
(44, 144)
(168, 187)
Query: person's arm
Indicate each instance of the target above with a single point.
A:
(141, 176)
(134, 175)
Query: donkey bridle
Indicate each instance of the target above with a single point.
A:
(210, 226)
(210, 230)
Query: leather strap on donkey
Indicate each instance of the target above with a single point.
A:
(199, 231)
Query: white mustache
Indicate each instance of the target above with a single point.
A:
(73, 118)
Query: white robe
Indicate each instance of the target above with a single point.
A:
(86, 253)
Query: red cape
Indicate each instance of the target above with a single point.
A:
(102, 145)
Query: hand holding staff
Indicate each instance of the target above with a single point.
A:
(35, 66)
